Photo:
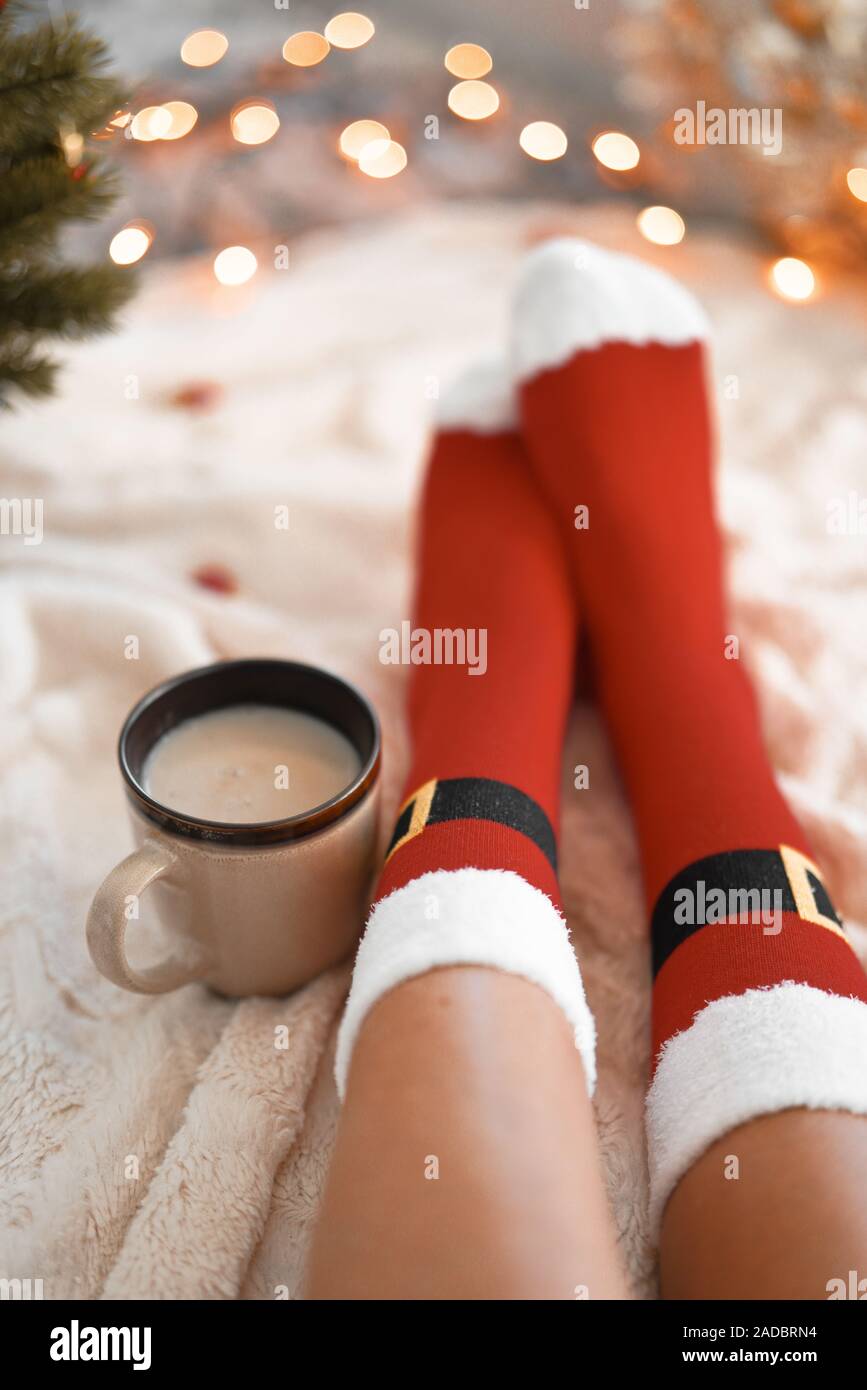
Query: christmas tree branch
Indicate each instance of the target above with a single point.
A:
(50, 80)
(24, 370)
(52, 84)
(37, 194)
(70, 302)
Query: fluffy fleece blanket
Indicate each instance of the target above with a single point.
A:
(163, 1147)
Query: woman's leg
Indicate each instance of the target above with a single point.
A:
(466, 1160)
(466, 1163)
(774, 1209)
(759, 1002)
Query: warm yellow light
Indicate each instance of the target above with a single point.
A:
(473, 101)
(183, 118)
(254, 122)
(354, 138)
(151, 123)
(203, 48)
(73, 147)
(130, 244)
(235, 265)
(661, 225)
(543, 140)
(306, 49)
(615, 150)
(110, 129)
(792, 279)
(468, 60)
(382, 159)
(857, 181)
(349, 30)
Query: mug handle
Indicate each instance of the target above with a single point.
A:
(107, 923)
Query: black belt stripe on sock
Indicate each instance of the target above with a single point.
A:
(476, 798)
(739, 874)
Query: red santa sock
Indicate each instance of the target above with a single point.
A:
(470, 875)
(758, 996)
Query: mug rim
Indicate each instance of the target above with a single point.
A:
(284, 830)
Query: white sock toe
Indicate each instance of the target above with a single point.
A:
(572, 297)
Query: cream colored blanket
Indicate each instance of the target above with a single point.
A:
(164, 1148)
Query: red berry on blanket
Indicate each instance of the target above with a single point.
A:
(217, 578)
(198, 395)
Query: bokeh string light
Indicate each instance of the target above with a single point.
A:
(349, 30)
(119, 120)
(182, 117)
(770, 130)
(365, 142)
(793, 279)
(254, 122)
(203, 48)
(382, 159)
(72, 144)
(468, 60)
(131, 243)
(151, 123)
(473, 100)
(235, 265)
(663, 226)
(856, 180)
(360, 133)
(543, 140)
(306, 48)
(617, 151)
(369, 145)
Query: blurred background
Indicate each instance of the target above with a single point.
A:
(588, 67)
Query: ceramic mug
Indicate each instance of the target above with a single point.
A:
(250, 908)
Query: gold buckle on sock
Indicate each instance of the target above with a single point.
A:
(799, 867)
(420, 801)
(485, 799)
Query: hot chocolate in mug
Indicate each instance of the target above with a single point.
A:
(253, 789)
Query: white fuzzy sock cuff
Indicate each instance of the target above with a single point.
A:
(573, 296)
(481, 399)
(466, 917)
(780, 1048)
